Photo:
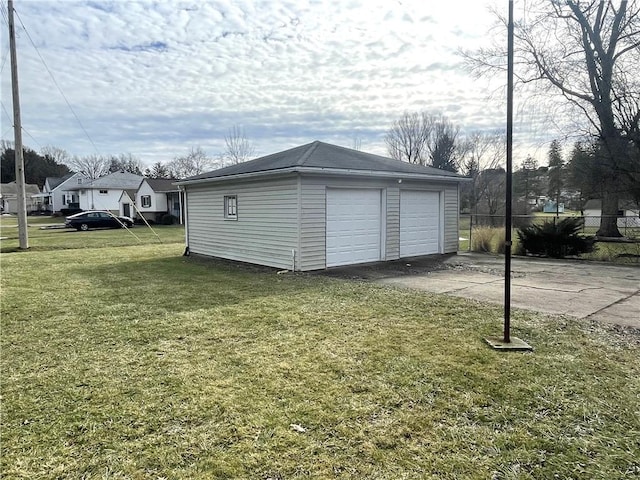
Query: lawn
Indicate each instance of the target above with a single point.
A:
(132, 361)
(42, 239)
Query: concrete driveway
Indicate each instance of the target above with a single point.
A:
(589, 290)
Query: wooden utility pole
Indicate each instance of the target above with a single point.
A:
(17, 129)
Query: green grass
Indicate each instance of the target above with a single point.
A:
(136, 362)
(55, 239)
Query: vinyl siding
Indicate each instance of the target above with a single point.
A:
(265, 231)
(269, 212)
(451, 211)
(393, 223)
(312, 225)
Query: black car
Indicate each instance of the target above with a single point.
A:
(96, 219)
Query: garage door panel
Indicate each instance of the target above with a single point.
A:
(353, 226)
(419, 223)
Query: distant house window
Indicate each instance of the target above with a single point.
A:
(79, 181)
(231, 207)
(104, 192)
(146, 201)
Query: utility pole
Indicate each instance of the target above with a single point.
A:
(17, 129)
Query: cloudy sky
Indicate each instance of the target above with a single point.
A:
(155, 78)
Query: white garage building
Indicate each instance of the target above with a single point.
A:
(320, 205)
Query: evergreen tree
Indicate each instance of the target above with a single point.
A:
(556, 165)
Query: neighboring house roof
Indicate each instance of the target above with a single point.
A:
(162, 185)
(53, 182)
(130, 193)
(11, 189)
(320, 157)
(596, 204)
(119, 180)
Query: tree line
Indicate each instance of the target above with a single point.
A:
(52, 161)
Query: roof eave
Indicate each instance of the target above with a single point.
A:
(326, 171)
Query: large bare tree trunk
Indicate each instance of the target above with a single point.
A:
(609, 219)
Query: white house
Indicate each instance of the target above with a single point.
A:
(127, 203)
(104, 193)
(157, 197)
(9, 197)
(58, 192)
(318, 206)
(153, 199)
(628, 213)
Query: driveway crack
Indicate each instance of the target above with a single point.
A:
(624, 299)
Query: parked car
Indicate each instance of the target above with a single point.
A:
(97, 219)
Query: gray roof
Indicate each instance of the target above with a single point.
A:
(318, 156)
(162, 185)
(118, 180)
(55, 181)
(131, 192)
(11, 189)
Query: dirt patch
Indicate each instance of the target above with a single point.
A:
(393, 268)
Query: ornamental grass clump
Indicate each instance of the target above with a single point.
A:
(555, 239)
(481, 239)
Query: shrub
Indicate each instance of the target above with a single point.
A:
(555, 239)
(168, 219)
(69, 211)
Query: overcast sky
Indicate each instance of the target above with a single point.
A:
(157, 78)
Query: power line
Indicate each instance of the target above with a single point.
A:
(23, 129)
(5, 15)
(56, 84)
(4, 59)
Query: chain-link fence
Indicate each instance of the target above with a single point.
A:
(485, 233)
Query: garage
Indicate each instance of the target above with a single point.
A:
(353, 226)
(318, 206)
(419, 223)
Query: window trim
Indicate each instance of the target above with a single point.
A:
(143, 203)
(231, 207)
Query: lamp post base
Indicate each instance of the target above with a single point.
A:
(514, 345)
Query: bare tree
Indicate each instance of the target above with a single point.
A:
(426, 139)
(194, 163)
(92, 166)
(408, 137)
(588, 51)
(58, 155)
(485, 153)
(237, 148)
